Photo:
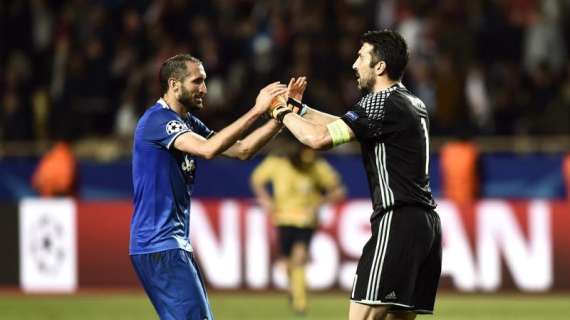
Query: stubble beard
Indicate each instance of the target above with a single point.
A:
(186, 100)
(366, 84)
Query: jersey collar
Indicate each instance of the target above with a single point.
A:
(166, 106)
(394, 87)
(397, 85)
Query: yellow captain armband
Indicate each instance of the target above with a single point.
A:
(339, 131)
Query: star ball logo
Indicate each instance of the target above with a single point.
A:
(48, 244)
(175, 126)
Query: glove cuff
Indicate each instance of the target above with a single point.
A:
(280, 112)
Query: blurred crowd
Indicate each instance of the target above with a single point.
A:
(82, 68)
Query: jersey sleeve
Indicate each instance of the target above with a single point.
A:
(200, 128)
(163, 128)
(263, 172)
(369, 119)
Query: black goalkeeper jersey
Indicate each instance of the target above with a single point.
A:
(392, 127)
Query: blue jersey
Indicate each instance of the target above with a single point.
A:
(163, 178)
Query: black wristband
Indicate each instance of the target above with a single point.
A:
(301, 107)
(282, 114)
(295, 103)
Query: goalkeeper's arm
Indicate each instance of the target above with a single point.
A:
(309, 113)
(317, 135)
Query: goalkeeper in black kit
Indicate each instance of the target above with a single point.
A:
(398, 273)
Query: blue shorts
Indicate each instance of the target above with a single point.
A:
(174, 285)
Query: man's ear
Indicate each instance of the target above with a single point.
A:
(380, 68)
(172, 83)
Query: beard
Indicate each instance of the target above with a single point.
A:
(187, 100)
(365, 84)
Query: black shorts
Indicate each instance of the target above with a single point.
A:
(289, 236)
(401, 263)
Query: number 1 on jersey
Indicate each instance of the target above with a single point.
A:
(424, 126)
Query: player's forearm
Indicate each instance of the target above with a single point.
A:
(311, 134)
(251, 144)
(260, 192)
(336, 194)
(263, 197)
(230, 134)
(317, 116)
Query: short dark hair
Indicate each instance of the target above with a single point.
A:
(390, 47)
(174, 67)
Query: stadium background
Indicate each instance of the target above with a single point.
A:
(494, 73)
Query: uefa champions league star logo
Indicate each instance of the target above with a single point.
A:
(175, 126)
(47, 244)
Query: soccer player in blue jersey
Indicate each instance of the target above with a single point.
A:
(167, 140)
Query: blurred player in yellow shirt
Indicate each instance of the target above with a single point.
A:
(301, 183)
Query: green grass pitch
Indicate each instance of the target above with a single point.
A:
(253, 306)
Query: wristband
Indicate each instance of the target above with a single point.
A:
(301, 107)
(280, 109)
(279, 117)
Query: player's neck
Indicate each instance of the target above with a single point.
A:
(174, 104)
(383, 83)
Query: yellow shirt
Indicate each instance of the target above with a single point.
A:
(297, 194)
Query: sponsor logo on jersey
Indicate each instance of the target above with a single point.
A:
(351, 115)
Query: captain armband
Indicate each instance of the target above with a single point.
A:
(339, 131)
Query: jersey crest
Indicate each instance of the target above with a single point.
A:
(188, 165)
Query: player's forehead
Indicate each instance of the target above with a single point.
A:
(195, 70)
(365, 49)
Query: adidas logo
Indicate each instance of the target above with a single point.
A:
(391, 296)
